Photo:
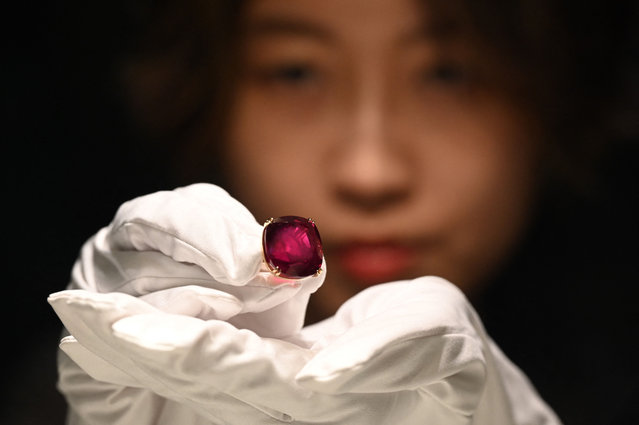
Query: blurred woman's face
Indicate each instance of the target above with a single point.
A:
(353, 113)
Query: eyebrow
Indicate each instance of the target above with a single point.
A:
(444, 31)
(273, 26)
(279, 26)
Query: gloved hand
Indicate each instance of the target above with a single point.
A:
(193, 251)
(185, 251)
(407, 353)
(420, 341)
(170, 348)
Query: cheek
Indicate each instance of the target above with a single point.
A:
(483, 183)
(497, 197)
(493, 179)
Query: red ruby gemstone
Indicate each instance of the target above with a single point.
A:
(293, 246)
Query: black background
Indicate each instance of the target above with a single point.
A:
(69, 162)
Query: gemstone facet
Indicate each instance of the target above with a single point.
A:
(292, 247)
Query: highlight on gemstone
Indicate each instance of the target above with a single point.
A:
(292, 247)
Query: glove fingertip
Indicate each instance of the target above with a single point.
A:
(59, 296)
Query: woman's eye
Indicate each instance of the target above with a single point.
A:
(290, 74)
(446, 73)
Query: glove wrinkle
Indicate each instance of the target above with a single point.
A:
(215, 221)
(453, 375)
(222, 266)
(97, 366)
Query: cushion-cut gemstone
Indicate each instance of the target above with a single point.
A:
(292, 247)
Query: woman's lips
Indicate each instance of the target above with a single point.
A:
(370, 263)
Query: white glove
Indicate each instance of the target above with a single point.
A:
(401, 353)
(194, 251)
(422, 337)
(168, 350)
(179, 249)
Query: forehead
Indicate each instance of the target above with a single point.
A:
(335, 21)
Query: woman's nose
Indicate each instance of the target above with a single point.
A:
(371, 172)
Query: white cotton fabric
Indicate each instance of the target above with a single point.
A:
(171, 321)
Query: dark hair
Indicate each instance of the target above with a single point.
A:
(578, 67)
(575, 68)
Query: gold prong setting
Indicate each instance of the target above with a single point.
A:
(292, 248)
